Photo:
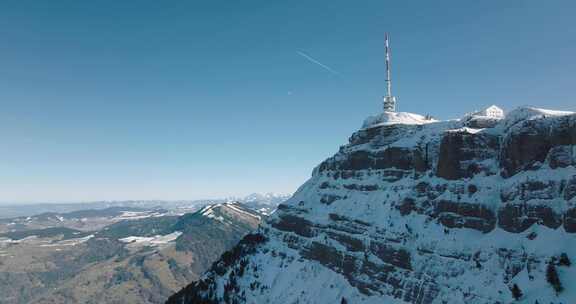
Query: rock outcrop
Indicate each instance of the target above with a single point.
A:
(429, 212)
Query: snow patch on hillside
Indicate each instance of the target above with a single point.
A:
(156, 240)
(69, 242)
(235, 208)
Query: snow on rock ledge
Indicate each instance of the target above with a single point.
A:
(489, 117)
(530, 113)
(392, 118)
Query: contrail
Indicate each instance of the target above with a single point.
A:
(327, 68)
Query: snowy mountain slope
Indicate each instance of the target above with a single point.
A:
(454, 211)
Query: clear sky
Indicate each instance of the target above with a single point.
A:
(192, 99)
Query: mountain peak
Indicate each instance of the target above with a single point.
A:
(413, 210)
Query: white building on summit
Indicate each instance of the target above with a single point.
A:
(492, 112)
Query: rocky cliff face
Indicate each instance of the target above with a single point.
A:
(419, 212)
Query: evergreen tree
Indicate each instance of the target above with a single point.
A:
(564, 260)
(516, 292)
(552, 278)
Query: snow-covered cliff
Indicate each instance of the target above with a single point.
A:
(414, 210)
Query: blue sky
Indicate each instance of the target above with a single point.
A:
(195, 99)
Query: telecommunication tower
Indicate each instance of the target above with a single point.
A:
(389, 100)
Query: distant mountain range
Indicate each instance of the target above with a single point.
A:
(128, 252)
(11, 210)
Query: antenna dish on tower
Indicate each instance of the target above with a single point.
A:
(389, 100)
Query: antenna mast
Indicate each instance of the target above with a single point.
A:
(389, 100)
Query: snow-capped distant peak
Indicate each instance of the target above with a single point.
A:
(269, 198)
